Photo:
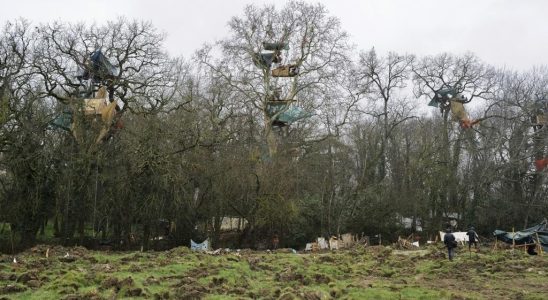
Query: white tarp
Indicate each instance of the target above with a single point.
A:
(322, 243)
(203, 246)
(319, 244)
(459, 236)
(333, 243)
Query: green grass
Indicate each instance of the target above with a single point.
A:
(373, 273)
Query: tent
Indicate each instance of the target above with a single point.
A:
(535, 234)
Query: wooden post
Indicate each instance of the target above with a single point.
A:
(539, 245)
(513, 240)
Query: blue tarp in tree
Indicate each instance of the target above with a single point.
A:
(98, 67)
(287, 115)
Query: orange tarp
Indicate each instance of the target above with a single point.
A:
(541, 164)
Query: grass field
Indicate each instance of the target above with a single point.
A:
(360, 273)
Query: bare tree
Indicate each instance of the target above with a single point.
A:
(305, 38)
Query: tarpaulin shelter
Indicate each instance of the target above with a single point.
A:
(285, 71)
(457, 111)
(442, 96)
(450, 98)
(276, 46)
(286, 115)
(98, 67)
(98, 111)
(263, 59)
(203, 246)
(266, 58)
(537, 234)
(541, 164)
(320, 244)
(96, 105)
(460, 236)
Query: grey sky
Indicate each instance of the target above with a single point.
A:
(511, 33)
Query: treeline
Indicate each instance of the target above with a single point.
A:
(359, 150)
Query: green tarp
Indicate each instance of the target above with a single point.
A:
(63, 121)
(526, 236)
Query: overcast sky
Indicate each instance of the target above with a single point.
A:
(511, 33)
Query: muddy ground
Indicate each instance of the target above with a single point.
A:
(54, 272)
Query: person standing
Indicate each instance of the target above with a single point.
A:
(473, 238)
(450, 242)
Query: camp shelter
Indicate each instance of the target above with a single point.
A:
(101, 118)
(263, 59)
(537, 234)
(320, 244)
(285, 71)
(457, 111)
(285, 115)
(276, 46)
(98, 67)
(442, 96)
(203, 246)
(334, 243)
(348, 240)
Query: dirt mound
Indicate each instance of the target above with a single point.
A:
(86, 296)
(178, 251)
(291, 275)
(191, 292)
(7, 276)
(113, 282)
(12, 288)
(26, 277)
(103, 268)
